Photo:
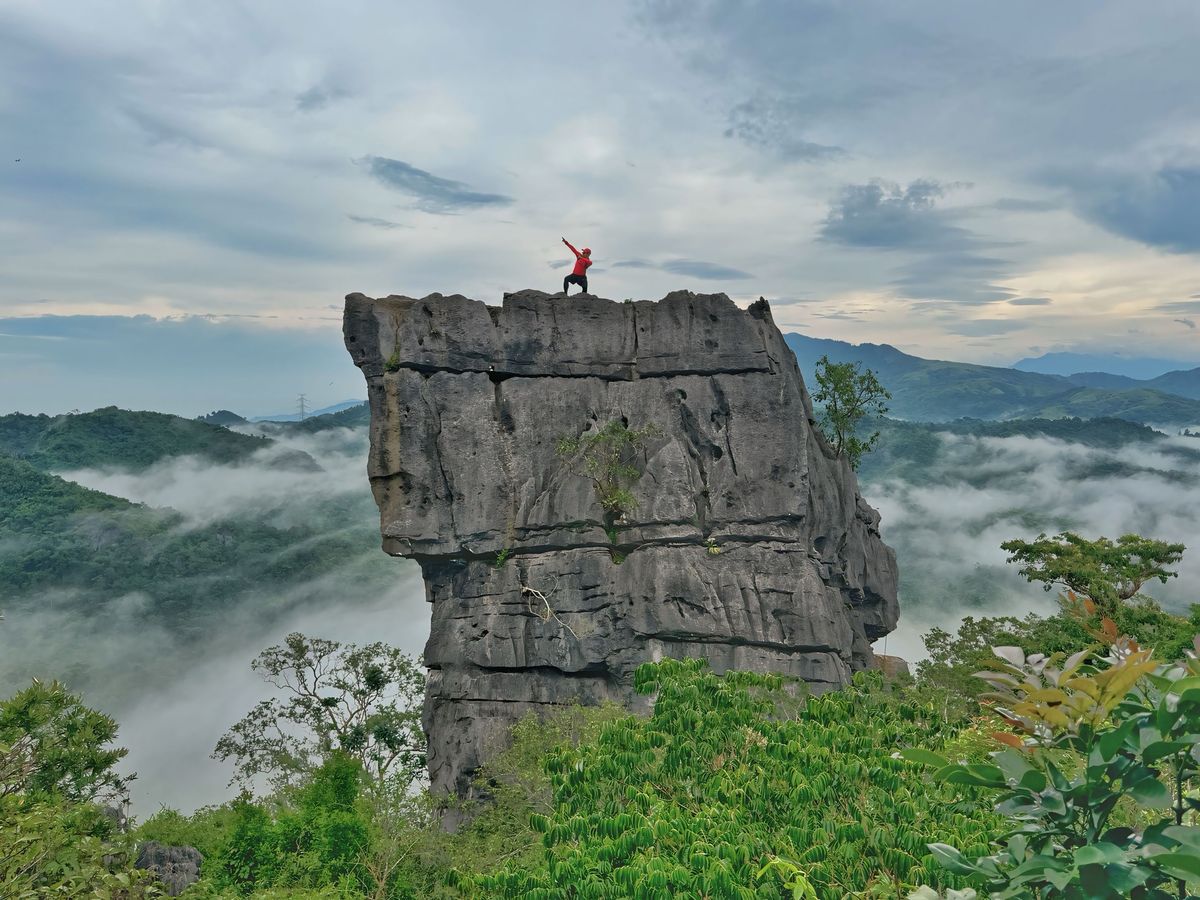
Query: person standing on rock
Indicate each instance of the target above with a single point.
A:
(583, 259)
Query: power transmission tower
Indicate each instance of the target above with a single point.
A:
(303, 408)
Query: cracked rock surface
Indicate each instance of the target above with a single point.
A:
(468, 404)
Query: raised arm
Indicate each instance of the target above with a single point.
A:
(573, 250)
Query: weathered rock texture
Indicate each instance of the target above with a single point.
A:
(468, 403)
(175, 867)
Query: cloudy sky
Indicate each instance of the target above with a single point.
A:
(965, 181)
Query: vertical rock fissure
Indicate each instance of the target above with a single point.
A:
(447, 486)
(724, 416)
(504, 433)
(697, 451)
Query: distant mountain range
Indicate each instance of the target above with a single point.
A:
(928, 390)
(1139, 368)
(295, 416)
(1185, 383)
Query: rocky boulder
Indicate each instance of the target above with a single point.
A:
(749, 544)
(175, 867)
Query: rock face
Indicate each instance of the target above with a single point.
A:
(468, 404)
(174, 867)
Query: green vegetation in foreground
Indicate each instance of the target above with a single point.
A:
(1098, 774)
(731, 787)
(730, 770)
(119, 438)
(56, 767)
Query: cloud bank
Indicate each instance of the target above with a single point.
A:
(175, 684)
(947, 530)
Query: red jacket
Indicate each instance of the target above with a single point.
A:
(581, 261)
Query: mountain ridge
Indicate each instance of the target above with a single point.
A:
(1140, 368)
(942, 390)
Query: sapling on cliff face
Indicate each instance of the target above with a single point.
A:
(607, 457)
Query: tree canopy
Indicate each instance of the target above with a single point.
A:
(362, 701)
(1106, 571)
(846, 395)
(58, 747)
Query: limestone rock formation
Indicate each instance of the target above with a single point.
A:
(175, 867)
(749, 545)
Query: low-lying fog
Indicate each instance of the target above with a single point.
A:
(174, 697)
(947, 531)
(175, 694)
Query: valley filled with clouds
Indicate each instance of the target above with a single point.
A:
(176, 680)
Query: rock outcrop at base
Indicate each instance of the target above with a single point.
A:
(749, 544)
(176, 868)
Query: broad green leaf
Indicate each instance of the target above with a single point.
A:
(1150, 793)
(1124, 878)
(1184, 834)
(1179, 865)
(1160, 749)
(1100, 853)
(1110, 742)
(924, 757)
(1013, 763)
(952, 859)
(1053, 802)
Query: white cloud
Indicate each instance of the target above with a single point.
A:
(201, 159)
(984, 491)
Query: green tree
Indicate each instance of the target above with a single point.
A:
(947, 676)
(846, 395)
(55, 746)
(313, 840)
(54, 839)
(362, 701)
(1108, 572)
(49, 847)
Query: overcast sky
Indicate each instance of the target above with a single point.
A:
(966, 181)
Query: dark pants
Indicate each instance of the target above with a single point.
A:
(580, 280)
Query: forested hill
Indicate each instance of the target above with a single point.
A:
(79, 567)
(1137, 405)
(120, 438)
(927, 390)
(33, 502)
